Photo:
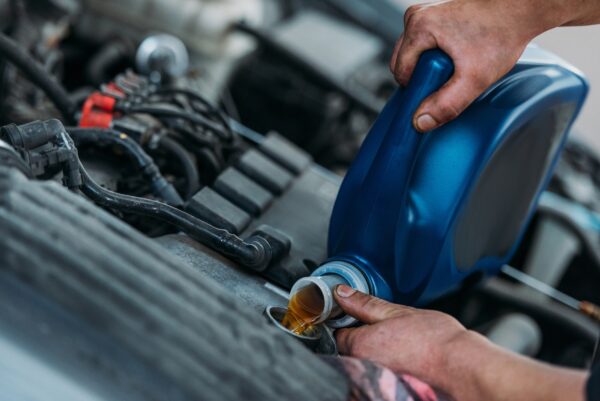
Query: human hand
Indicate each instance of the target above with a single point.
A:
(436, 348)
(404, 339)
(484, 39)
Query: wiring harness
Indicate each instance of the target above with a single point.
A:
(47, 146)
(129, 113)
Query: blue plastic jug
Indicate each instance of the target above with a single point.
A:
(418, 213)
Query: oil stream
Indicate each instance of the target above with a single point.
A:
(304, 309)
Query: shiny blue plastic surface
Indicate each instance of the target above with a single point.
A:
(397, 211)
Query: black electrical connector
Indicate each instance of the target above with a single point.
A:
(44, 146)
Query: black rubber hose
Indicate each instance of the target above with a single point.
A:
(160, 186)
(254, 253)
(33, 70)
(84, 136)
(188, 164)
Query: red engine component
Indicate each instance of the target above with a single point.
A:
(98, 111)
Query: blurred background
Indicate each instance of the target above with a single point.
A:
(579, 46)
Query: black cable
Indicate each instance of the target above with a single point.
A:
(98, 136)
(188, 164)
(195, 96)
(165, 112)
(160, 186)
(254, 253)
(171, 90)
(33, 70)
(202, 141)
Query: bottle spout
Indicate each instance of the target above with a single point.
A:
(322, 284)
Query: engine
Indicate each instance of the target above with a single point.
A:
(168, 173)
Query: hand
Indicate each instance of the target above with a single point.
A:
(436, 348)
(484, 39)
(404, 339)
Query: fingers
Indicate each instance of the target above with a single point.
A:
(408, 55)
(447, 103)
(415, 40)
(395, 54)
(345, 338)
(366, 308)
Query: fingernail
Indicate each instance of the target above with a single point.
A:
(344, 291)
(425, 123)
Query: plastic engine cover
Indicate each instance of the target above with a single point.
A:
(418, 213)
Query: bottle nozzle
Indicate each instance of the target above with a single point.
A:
(321, 284)
(320, 290)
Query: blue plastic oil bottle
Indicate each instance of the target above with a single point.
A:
(418, 213)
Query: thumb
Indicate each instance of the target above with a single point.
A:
(448, 102)
(366, 308)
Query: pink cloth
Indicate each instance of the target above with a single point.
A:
(371, 382)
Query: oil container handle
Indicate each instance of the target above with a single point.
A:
(374, 193)
(432, 71)
(390, 166)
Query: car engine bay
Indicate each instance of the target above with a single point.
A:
(168, 171)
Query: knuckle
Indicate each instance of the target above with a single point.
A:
(418, 40)
(372, 303)
(449, 110)
(357, 347)
(418, 22)
(410, 11)
(343, 340)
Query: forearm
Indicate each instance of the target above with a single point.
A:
(487, 372)
(530, 18)
(582, 12)
(541, 15)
